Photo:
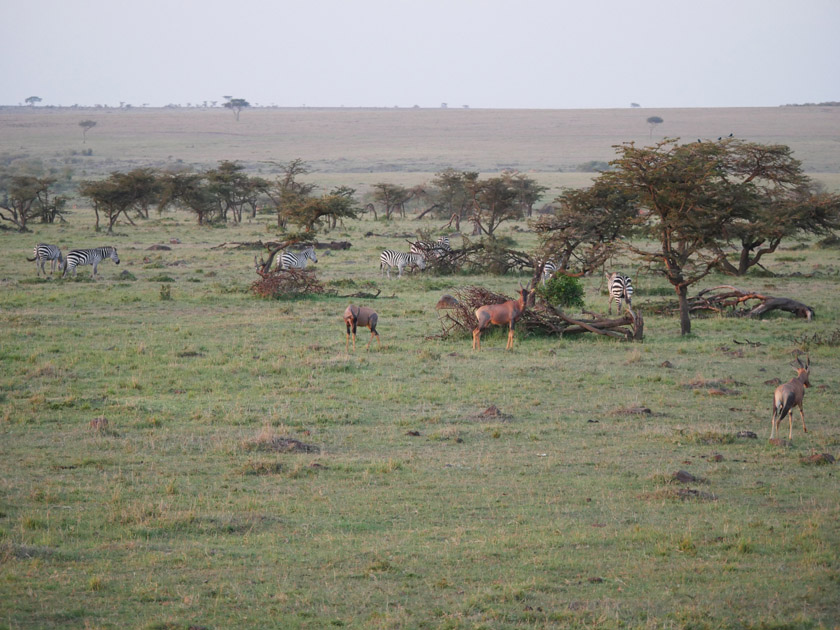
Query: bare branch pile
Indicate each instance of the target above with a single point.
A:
(286, 282)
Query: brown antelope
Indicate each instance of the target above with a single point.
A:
(506, 313)
(360, 316)
(790, 395)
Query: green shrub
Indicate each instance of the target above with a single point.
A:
(563, 291)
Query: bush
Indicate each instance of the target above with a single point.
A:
(562, 291)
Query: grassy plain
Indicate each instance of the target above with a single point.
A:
(561, 513)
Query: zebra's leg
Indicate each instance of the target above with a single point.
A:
(95, 264)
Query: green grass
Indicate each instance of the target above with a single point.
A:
(416, 511)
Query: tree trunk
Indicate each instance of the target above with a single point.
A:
(685, 316)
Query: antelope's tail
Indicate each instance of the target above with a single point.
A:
(783, 408)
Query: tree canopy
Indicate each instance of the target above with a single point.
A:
(236, 105)
(695, 199)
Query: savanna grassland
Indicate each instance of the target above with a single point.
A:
(405, 505)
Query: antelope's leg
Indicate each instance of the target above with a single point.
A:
(802, 414)
(790, 421)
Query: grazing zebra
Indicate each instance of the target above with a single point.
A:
(297, 260)
(548, 270)
(389, 258)
(620, 288)
(76, 257)
(42, 253)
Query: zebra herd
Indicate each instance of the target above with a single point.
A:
(619, 286)
(43, 252)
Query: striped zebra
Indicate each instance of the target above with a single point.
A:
(427, 248)
(620, 288)
(42, 253)
(548, 270)
(297, 260)
(76, 257)
(389, 258)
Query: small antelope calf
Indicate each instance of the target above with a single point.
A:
(506, 313)
(790, 395)
(360, 316)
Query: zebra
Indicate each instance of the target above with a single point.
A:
(619, 287)
(297, 260)
(548, 270)
(427, 248)
(42, 253)
(389, 258)
(76, 257)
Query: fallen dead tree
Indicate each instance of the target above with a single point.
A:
(459, 318)
(286, 282)
(728, 298)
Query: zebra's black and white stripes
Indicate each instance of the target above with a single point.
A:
(548, 270)
(427, 248)
(389, 258)
(43, 252)
(297, 260)
(620, 288)
(76, 257)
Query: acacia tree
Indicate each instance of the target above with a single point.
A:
(191, 191)
(583, 231)
(495, 201)
(236, 105)
(110, 197)
(86, 126)
(653, 121)
(234, 189)
(26, 197)
(771, 199)
(287, 194)
(452, 192)
(392, 196)
(313, 212)
(683, 197)
(32, 100)
(528, 191)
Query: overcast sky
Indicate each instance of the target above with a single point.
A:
(553, 54)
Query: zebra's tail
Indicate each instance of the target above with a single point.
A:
(31, 259)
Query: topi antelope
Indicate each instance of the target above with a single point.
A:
(500, 314)
(790, 395)
(360, 316)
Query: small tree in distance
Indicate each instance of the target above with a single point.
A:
(86, 125)
(236, 105)
(653, 121)
(32, 100)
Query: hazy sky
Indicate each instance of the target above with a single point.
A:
(385, 53)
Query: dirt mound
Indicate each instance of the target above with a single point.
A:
(277, 444)
(818, 459)
(492, 413)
